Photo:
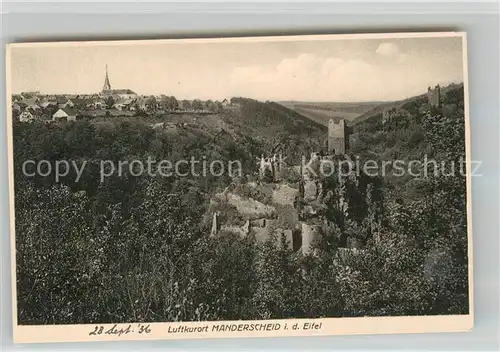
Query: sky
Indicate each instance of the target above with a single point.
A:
(341, 70)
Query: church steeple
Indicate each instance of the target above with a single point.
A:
(107, 85)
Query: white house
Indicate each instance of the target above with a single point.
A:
(26, 116)
(65, 114)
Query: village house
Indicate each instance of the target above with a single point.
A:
(65, 114)
(140, 104)
(78, 102)
(59, 99)
(119, 93)
(124, 104)
(26, 116)
(33, 108)
(31, 101)
(45, 104)
(31, 104)
(30, 97)
(22, 105)
(96, 105)
(67, 104)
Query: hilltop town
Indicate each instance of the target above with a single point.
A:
(109, 102)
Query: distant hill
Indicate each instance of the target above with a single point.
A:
(270, 118)
(322, 112)
(278, 128)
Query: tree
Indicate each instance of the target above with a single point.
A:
(213, 106)
(197, 104)
(15, 114)
(151, 103)
(209, 105)
(226, 266)
(385, 279)
(174, 104)
(164, 102)
(318, 290)
(218, 106)
(277, 281)
(50, 274)
(50, 110)
(186, 105)
(169, 103)
(110, 102)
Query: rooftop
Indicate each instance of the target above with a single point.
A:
(117, 91)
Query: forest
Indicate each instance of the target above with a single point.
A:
(136, 249)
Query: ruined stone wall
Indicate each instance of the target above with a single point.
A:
(273, 165)
(310, 233)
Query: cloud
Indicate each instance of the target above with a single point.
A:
(310, 77)
(392, 51)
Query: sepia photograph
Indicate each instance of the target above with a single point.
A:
(239, 187)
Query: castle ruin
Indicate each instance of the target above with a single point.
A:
(434, 96)
(305, 203)
(337, 133)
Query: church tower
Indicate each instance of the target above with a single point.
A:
(107, 85)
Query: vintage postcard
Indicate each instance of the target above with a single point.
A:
(240, 187)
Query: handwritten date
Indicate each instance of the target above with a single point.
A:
(121, 330)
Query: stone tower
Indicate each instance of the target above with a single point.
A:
(215, 224)
(337, 133)
(434, 96)
(107, 85)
